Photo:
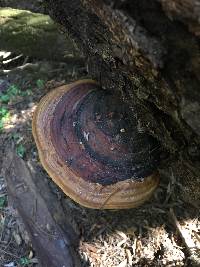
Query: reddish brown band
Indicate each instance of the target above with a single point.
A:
(87, 144)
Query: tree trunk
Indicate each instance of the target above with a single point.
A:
(34, 35)
(149, 52)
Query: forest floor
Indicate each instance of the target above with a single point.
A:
(163, 232)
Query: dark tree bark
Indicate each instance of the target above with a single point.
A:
(187, 11)
(149, 52)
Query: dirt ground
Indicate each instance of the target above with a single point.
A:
(163, 232)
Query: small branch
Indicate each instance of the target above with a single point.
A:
(187, 240)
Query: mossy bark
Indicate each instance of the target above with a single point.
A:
(34, 35)
(136, 48)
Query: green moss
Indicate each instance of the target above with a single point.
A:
(32, 34)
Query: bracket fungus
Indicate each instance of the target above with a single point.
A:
(92, 149)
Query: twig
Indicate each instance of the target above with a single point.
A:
(186, 238)
(182, 233)
(12, 59)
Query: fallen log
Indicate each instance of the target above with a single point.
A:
(52, 236)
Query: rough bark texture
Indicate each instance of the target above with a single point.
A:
(34, 35)
(187, 11)
(153, 61)
(52, 236)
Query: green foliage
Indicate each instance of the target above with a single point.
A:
(3, 111)
(20, 149)
(4, 116)
(16, 136)
(13, 90)
(40, 83)
(25, 93)
(24, 261)
(4, 98)
(2, 202)
(1, 125)
(11, 93)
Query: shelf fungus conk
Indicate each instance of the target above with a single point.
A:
(91, 148)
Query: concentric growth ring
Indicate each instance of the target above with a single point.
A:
(92, 149)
